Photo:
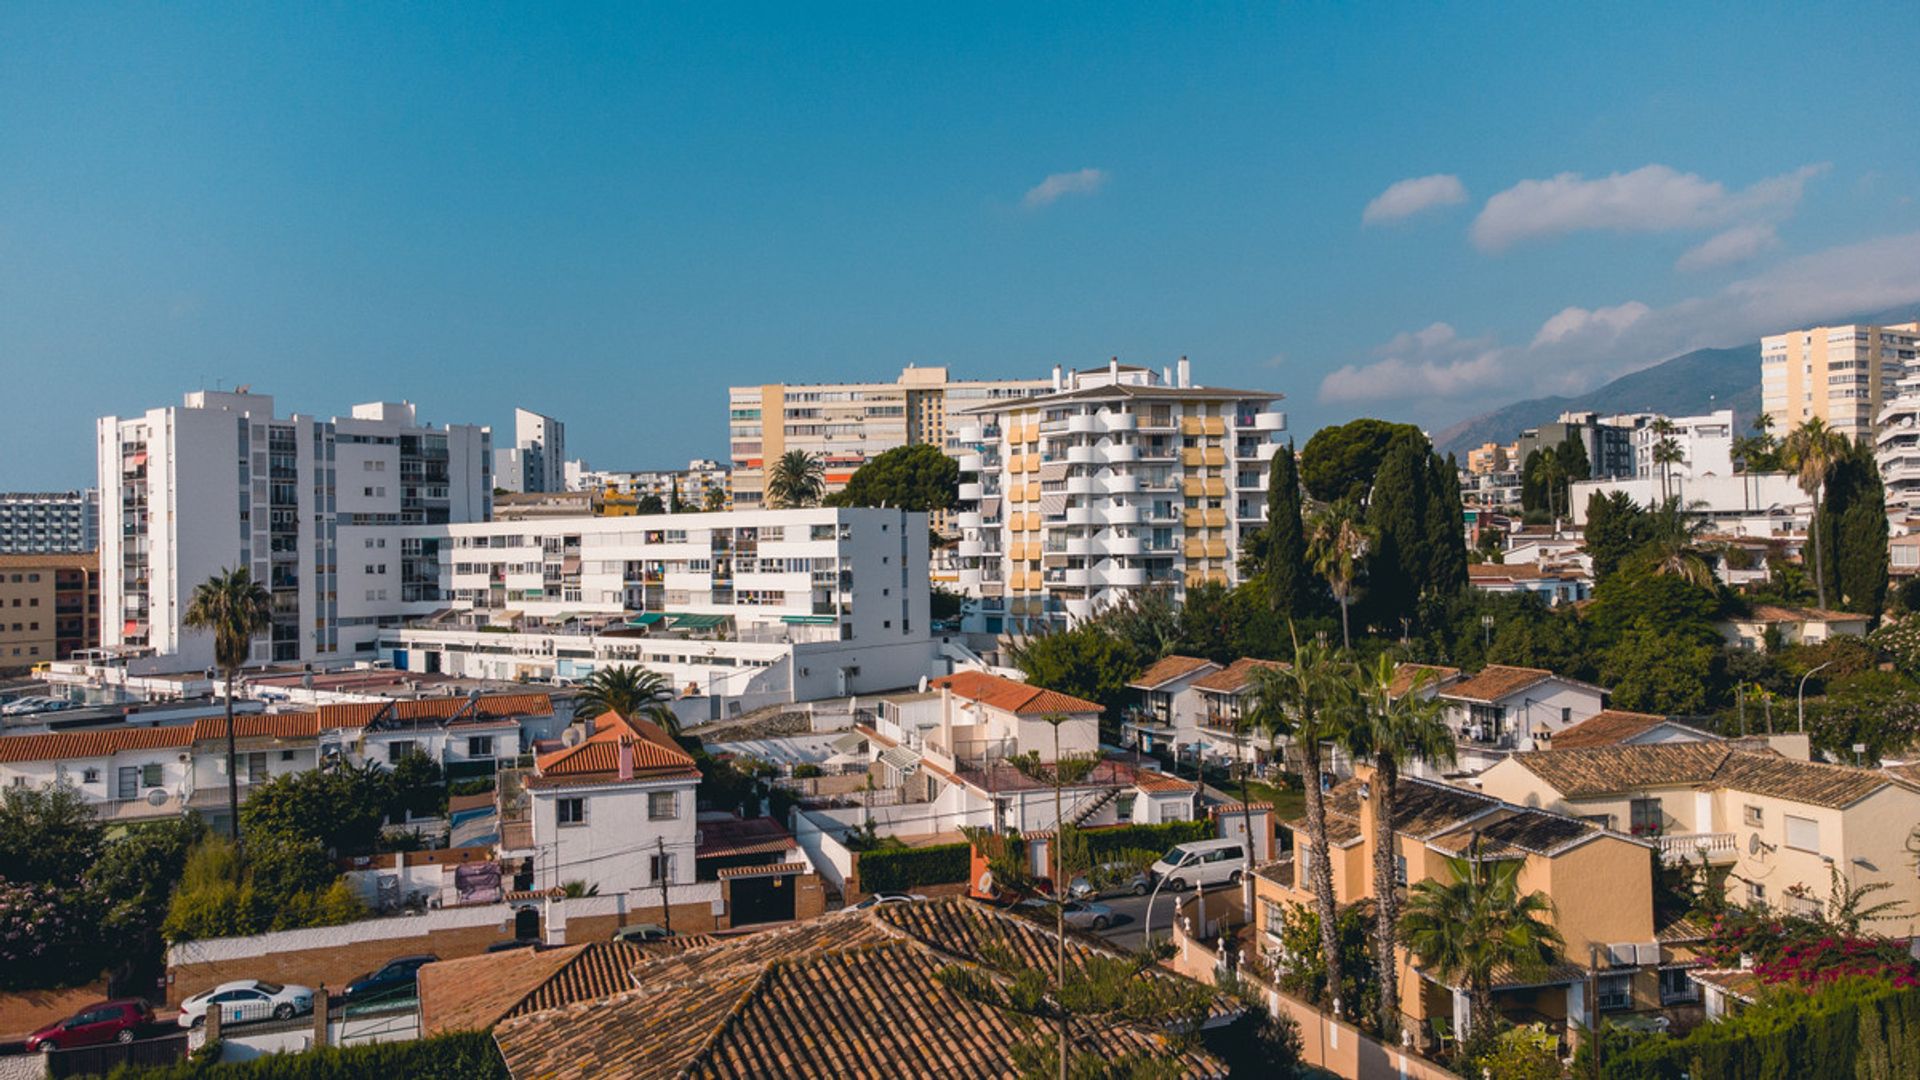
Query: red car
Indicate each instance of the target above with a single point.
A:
(102, 1022)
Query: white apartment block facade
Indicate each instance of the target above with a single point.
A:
(1897, 449)
(1841, 374)
(1705, 444)
(693, 482)
(764, 605)
(334, 517)
(848, 424)
(1121, 480)
(536, 463)
(49, 522)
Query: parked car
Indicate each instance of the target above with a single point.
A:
(517, 943)
(1081, 915)
(102, 1022)
(246, 1000)
(399, 974)
(888, 898)
(1110, 878)
(641, 933)
(1201, 862)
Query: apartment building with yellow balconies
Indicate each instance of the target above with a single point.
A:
(1843, 375)
(1119, 479)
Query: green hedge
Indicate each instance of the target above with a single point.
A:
(904, 869)
(1103, 844)
(1862, 1030)
(464, 1056)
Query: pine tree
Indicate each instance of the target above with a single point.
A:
(1613, 528)
(1397, 517)
(1446, 569)
(1572, 454)
(1286, 546)
(1533, 494)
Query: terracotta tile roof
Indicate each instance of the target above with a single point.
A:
(1494, 682)
(1160, 783)
(1611, 770)
(774, 870)
(1007, 695)
(1778, 613)
(1608, 727)
(742, 836)
(83, 744)
(477, 992)
(1168, 668)
(415, 710)
(1236, 676)
(1446, 817)
(856, 994)
(1430, 675)
(258, 725)
(58, 560)
(655, 754)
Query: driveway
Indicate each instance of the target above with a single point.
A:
(1128, 932)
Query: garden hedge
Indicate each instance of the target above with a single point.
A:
(1103, 843)
(1858, 1030)
(463, 1056)
(904, 869)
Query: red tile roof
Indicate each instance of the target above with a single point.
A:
(1167, 669)
(773, 870)
(1007, 695)
(742, 836)
(1777, 613)
(1609, 727)
(485, 707)
(1494, 682)
(1159, 782)
(1235, 677)
(82, 744)
(654, 752)
(1431, 676)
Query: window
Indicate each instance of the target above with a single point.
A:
(1647, 818)
(90, 776)
(659, 868)
(1615, 991)
(1676, 987)
(1803, 834)
(1753, 815)
(256, 766)
(398, 749)
(662, 805)
(286, 755)
(150, 776)
(572, 811)
(479, 746)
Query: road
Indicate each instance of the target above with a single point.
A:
(1128, 931)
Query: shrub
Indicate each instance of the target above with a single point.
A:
(806, 770)
(479, 785)
(1111, 844)
(462, 1056)
(1860, 1028)
(905, 868)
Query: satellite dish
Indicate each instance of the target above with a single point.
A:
(157, 797)
(985, 886)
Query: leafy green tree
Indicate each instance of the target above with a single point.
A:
(1397, 525)
(919, 477)
(1083, 661)
(134, 879)
(1523, 1053)
(339, 809)
(1340, 462)
(214, 898)
(1638, 595)
(1446, 527)
(1306, 972)
(1338, 542)
(1851, 531)
(796, 479)
(233, 608)
(1655, 670)
(1533, 493)
(419, 787)
(715, 500)
(1209, 623)
(1285, 566)
(48, 835)
(649, 504)
(1572, 455)
(48, 936)
(1613, 531)
(1759, 452)
(628, 690)
(1478, 922)
(1670, 543)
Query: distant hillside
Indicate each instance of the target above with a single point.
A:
(1687, 385)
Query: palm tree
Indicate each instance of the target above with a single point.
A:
(1666, 454)
(1392, 730)
(233, 607)
(1811, 451)
(716, 500)
(1466, 929)
(1673, 543)
(1308, 701)
(1552, 473)
(797, 479)
(1337, 542)
(629, 691)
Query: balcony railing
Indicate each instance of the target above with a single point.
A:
(1687, 847)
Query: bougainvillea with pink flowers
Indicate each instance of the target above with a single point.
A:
(1803, 951)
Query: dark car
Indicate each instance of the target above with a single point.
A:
(398, 975)
(101, 1022)
(517, 943)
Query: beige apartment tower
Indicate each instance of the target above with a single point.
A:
(848, 424)
(1843, 375)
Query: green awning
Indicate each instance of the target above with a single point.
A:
(647, 618)
(810, 620)
(697, 622)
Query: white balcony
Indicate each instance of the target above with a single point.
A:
(1271, 420)
(1111, 544)
(1077, 545)
(1083, 423)
(1124, 577)
(969, 491)
(971, 547)
(968, 433)
(1128, 514)
(1717, 848)
(1081, 515)
(1080, 577)
(1119, 421)
(967, 519)
(1117, 453)
(1082, 455)
(1082, 485)
(969, 463)
(1120, 483)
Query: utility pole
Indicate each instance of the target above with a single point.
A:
(661, 874)
(1593, 1005)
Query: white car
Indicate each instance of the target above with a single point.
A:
(889, 898)
(245, 1000)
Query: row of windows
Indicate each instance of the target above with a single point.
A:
(661, 806)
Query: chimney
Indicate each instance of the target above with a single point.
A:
(626, 757)
(1113, 369)
(1166, 376)
(1057, 384)
(1186, 372)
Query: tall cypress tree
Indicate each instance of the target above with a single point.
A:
(1397, 516)
(1613, 532)
(1533, 493)
(1446, 539)
(1852, 520)
(1286, 550)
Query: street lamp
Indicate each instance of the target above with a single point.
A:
(1146, 931)
(1802, 696)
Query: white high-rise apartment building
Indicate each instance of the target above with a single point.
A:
(536, 463)
(1841, 374)
(1116, 481)
(848, 424)
(49, 522)
(1897, 449)
(332, 516)
(1705, 444)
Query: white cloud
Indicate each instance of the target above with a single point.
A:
(1738, 244)
(1059, 185)
(1579, 348)
(1653, 198)
(1410, 197)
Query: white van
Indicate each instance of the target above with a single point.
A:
(1201, 862)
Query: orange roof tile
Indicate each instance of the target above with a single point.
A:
(654, 751)
(1436, 676)
(1168, 668)
(1496, 681)
(257, 725)
(1007, 695)
(82, 744)
(1608, 727)
(1160, 782)
(406, 710)
(1235, 677)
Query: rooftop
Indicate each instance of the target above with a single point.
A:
(1235, 677)
(1167, 669)
(1433, 675)
(655, 755)
(476, 992)
(1012, 696)
(1448, 818)
(1613, 727)
(1610, 770)
(1496, 682)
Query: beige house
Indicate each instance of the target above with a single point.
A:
(1781, 828)
(1793, 625)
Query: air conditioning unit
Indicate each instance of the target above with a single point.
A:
(1648, 954)
(1621, 955)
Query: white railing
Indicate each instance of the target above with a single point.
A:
(1680, 847)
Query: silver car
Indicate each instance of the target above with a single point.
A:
(1109, 878)
(1081, 915)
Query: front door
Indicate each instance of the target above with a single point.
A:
(128, 784)
(755, 900)
(526, 924)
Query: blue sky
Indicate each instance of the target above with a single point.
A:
(611, 214)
